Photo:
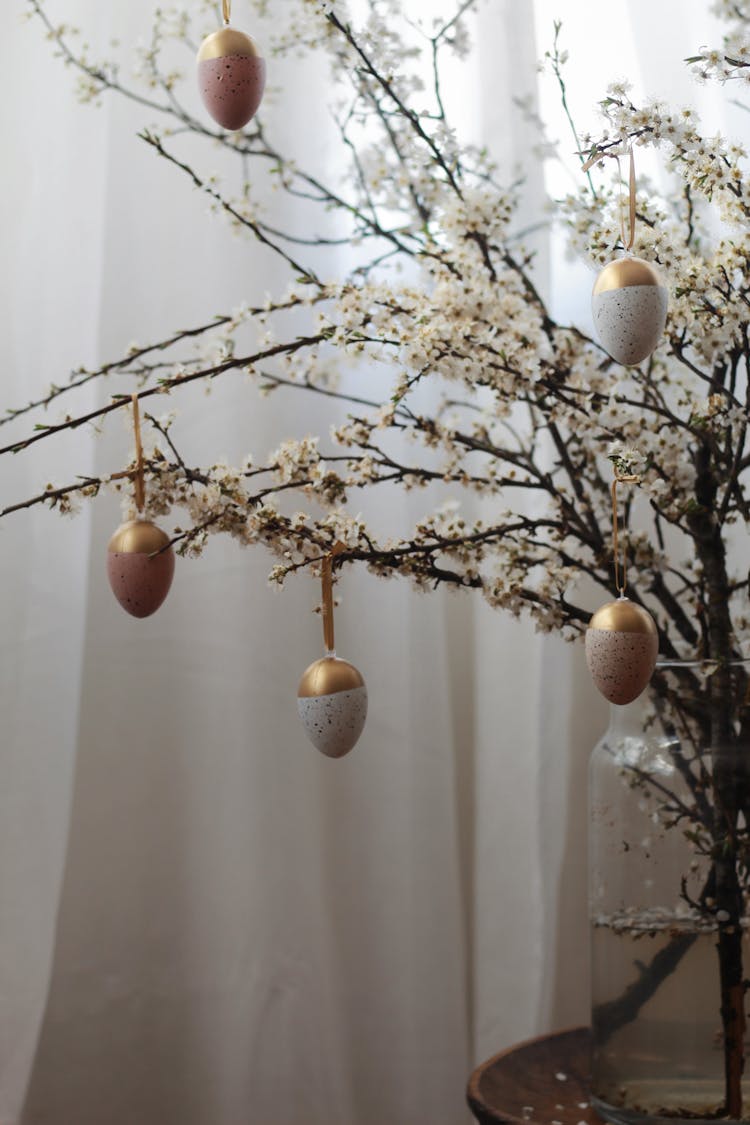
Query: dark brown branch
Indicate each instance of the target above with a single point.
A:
(165, 386)
(306, 274)
(609, 1017)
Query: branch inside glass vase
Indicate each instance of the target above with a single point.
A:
(702, 729)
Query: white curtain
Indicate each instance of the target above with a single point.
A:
(202, 921)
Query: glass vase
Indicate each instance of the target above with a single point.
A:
(669, 857)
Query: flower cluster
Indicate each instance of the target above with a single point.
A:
(444, 367)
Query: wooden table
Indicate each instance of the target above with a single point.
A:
(545, 1081)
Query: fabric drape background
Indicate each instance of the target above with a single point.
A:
(202, 921)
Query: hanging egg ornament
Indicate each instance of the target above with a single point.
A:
(231, 76)
(140, 566)
(140, 559)
(332, 697)
(621, 649)
(332, 704)
(629, 304)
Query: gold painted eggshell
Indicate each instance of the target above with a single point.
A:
(140, 571)
(231, 77)
(621, 649)
(332, 704)
(228, 41)
(629, 305)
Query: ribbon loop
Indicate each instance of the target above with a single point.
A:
(628, 239)
(619, 478)
(138, 476)
(226, 11)
(632, 200)
(327, 583)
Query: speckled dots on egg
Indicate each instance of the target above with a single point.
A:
(621, 664)
(630, 321)
(232, 88)
(139, 582)
(333, 723)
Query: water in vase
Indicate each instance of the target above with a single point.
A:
(657, 1045)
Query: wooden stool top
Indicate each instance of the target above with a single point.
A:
(544, 1081)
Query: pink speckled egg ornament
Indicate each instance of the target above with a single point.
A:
(629, 304)
(332, 704)
(231, 77)
(139, 568)
(621, 649)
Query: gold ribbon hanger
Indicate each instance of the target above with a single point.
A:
(629, 239)
(138, 477)
(628, 242)
(136, 474)
(620, 478)
(226, 11)
(327, 609)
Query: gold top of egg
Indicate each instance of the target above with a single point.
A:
(228, 41)
(328, 676)
(138, 537)
(627, 271)
(623, 616)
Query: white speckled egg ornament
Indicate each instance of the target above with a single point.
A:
(621, 650)
(629, 304)
(231, 75)
(332, 704)
(332, 696)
